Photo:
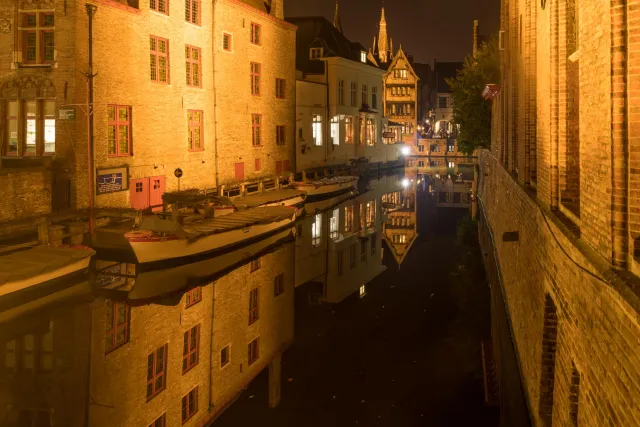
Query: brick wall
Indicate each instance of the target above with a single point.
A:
(598, 330)
(25, 193)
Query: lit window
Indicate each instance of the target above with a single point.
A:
(192, 11)
(256, 35)
(348, 219)
(315, 53)
(452, 165)
(316, 230)
(348, 130)
(159, 54)
(371, 131)
(37, 138)
(195, 126)
(193, 59)
(363, 56)
(190, 349)
(317, 129)
(363, 290)
(335, 131)
(334, 221)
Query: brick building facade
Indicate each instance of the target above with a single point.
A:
(561, 174)
(401, 96)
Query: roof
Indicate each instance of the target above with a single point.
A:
(443, 71)
(423, 71)
(317, 31)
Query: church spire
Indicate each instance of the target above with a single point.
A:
(383, 41)
(336, 19)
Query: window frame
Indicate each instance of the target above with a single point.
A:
(229, 37)
(316, 130)
(281, 88)
(190, 397)
(155, 375)
(189, 66)
(315, 53)
(365, 95)
(256, 34)
(256, 264)
(117, 123)
(192, 125)
(281, 139)
(188, 342)
(189, 299)
(38, 30)
(188, 15)
(157, 8)
(278, 285)
(354, 94)
(254, 305)
(20, 120)
(115, 327)
(162, 419)
(340, 92)
(253, 354)
(256, 69)
(157, 55)
(224, 363)
(348, 130)
(256, 130)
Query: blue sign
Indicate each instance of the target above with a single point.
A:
(110, 183)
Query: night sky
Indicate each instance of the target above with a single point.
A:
(427, 29)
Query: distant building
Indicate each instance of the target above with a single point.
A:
(425, 86)
(443, 102)
(401, 95)
(339, 97)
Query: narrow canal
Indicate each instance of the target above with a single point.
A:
(407, 353)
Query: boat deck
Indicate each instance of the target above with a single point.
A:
(238, 220)
(36, 261)
(263, 198)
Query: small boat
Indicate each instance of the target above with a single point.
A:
(326, 186)
(29, 267)
(160, 239)
(286, 197)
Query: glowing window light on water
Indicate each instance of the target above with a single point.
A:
(405, 150)
(363, 291)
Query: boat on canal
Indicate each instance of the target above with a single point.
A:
(286, 197)
(326, 186)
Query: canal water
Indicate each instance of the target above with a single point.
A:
(371, 311)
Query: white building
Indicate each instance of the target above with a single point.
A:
(339, 96)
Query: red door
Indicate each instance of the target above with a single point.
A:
(139, 193)
(240, 171)
(156, 190)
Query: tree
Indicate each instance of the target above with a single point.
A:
(470, 110)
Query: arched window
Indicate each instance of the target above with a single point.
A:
(29, 118)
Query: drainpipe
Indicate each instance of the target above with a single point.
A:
(91, 10)
(215, 101)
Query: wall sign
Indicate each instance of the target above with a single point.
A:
(112, 180)
(67, 114)
(178, 173)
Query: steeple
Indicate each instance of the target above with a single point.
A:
(383, 46)
(336, 19)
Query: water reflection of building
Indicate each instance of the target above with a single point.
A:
(80, 356)
(400, 229)
(338, 244)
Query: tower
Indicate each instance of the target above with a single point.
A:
(336, 19)
(383, 41)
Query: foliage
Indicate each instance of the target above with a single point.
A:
(470, 110)
(467, 231)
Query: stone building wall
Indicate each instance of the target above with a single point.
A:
(562, 174)
(26, 193)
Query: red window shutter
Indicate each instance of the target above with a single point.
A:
(285, 166)
(257, 165)
(278, 166)
(240, 171)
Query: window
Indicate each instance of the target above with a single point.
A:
(353, 94)
(363, 291)
(193, 66)
(30, 128)
(278, 285)
(317, 129)
(348, 130)
(160, 422)
(339, 262)
(190, 349)
(226, 42)
(159, 49)
(334, 221)
(365, 95)
(161, 6)
(118, 322)
(156, 372)
(421, 148)
(373, 244)
(280, 132)
(280, 88)
(442, 102)
(193, 296)
(189, 405)
(352, 256)
(451, 148)
(363, 57)
(36, 34)
(400, 238)
(253, 305)
(374, 97)
(254, 351)
(363, 250)
(256, 124)
(400, 74)
(315, 53)
(256, 264)
(316, 230)
(371, 131)
(335, 130)
(224, 356)
(30, 353)
(452, 165)
(340, 92)
(192, 11)
(255, 78)
(393, 109)
(256, 34)
(348, 219)
(196, 140)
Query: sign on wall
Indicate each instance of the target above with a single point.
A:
(112, 180)
(67, 114)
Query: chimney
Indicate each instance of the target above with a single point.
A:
(277, 8)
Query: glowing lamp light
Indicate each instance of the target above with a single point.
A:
(405, 183)
(405, 150)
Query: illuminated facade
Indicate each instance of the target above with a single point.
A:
(400, 229)
(401, 96)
